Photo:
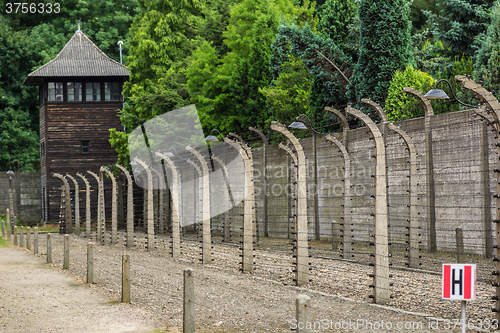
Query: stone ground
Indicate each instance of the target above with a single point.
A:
(35, 297)
(39, 297)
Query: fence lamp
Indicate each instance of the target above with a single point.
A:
(211, 137)
(11, 172)
(297, 124)
(440, 94)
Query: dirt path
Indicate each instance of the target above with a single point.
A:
(37, 298)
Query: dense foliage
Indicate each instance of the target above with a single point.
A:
(488, 58)
(385, 47)
(398, 104)
(246, 62)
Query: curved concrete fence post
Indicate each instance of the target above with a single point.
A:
(491, 106)
(101, 225)
(256, 234)
(88, 224)
(343, 121)
(198, 202)
(130, 205)
(176, 223)
(67, 227)
(380, 232)
(77, 204)
(248, 204)
(302, 269)
(429, 166)
(99, 210)
(150, 231)
(413, 221)
(206, 257)
(293, 207)
(265, 146)
(114, 204)
(346, 215)
(228, 197)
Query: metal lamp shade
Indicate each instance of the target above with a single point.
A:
(436, 94)
(211, 138)
(298, 125)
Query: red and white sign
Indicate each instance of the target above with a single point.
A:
(459, 281)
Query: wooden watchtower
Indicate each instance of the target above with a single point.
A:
(80, 97)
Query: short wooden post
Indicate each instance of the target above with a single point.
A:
(15, 235)
(126, 278)
(9, 225)
(3, 228)
(21, 236)
(303, 313)
(66, 252)
(35, 241)
(460, 244)
(335, 244)
(49, 249)
(28, 236)
(188, 322)
(90, 262)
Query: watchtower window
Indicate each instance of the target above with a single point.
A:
(56, 91)
(111, 91)
(93, 91)
(85, 146)
(74, 91)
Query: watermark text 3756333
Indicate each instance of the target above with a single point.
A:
(32, 8)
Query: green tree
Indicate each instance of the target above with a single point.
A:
(18, 122)
(335, 19)
(488, 57)
(289, 94)
(385, 46)
(459, 24)
(163, 35)
(398, 104)
(225, 87)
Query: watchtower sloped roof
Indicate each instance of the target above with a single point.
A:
(80, 57)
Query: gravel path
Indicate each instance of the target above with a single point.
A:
(35, 298)
(229, 301)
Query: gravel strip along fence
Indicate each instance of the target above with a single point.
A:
(229, 301)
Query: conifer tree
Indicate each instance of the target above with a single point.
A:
(385, 46)
(488, 57)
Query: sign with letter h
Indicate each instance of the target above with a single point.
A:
(459, 281)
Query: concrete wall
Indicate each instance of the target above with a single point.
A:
(461, 198)
(27, 196)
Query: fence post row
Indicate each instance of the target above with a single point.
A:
(67, 226)
(228, 197)
(101, 224)
(114, 213)
(380, 232)
(413, 239)
(429, 168)
(492, 107)
(248, 204)
(149, 210)
(77, 204)
(206, 256)
(302, 269)
(264, 176)
(174, 188)
(130, 206)
(346, 215)
(88, 223)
